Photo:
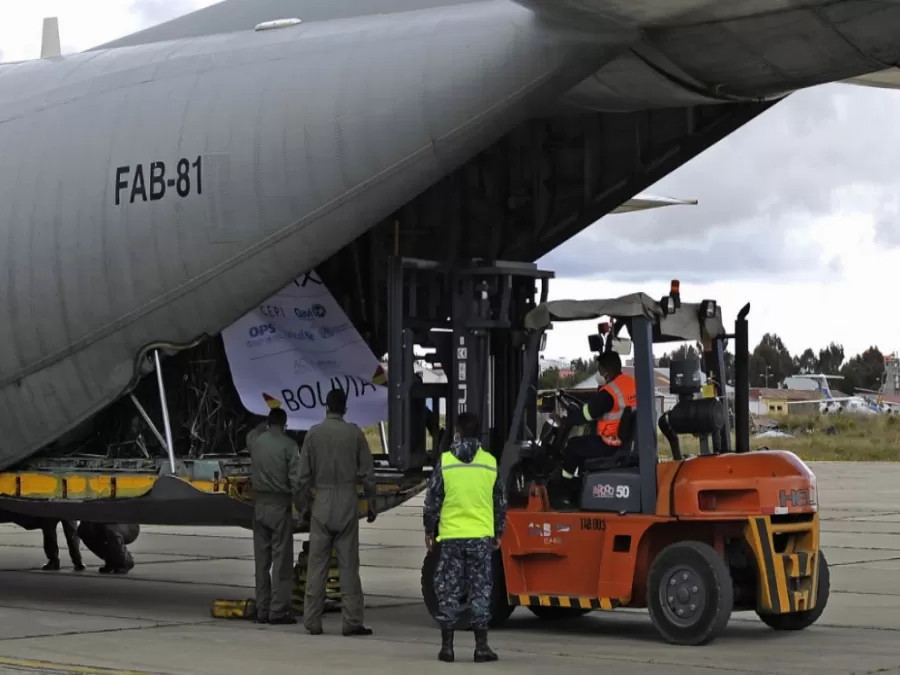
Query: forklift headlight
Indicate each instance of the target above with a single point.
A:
(708, 308)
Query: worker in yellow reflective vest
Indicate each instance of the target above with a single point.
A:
(465, 512)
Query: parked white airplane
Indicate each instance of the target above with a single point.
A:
(850, 404)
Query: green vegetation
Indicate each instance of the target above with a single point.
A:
(836, 438)
(840, 438)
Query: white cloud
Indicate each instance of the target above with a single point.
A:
(855, 305)
(798, 214)
(82, 24)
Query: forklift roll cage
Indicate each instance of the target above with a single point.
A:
(651, 322)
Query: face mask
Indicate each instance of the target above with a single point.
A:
(456, 437)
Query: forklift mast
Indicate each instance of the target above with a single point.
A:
(469, 316)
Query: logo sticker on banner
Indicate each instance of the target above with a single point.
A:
(296, 347)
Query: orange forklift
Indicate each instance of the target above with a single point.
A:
(692, 538)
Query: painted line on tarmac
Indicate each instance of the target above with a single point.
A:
(863, 562)
(100, 631)
(97, 614)
(51, 667)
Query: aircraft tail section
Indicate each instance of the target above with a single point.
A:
(824, 389)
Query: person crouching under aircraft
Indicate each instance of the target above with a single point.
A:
(109, 542)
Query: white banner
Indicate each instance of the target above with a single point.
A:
(296, 347)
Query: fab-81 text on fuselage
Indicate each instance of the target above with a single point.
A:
(152, 181)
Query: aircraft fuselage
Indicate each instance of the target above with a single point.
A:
(153, 192)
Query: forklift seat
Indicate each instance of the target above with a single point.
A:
(624, 453)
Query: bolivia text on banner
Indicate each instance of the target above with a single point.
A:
(296, 347)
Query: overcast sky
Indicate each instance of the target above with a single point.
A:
(797, 214)
(798, 210)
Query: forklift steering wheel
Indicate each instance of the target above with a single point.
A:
(569, 402)
(567, 398)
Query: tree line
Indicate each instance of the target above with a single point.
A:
(770, 363)
(859, 372)
(580, 370)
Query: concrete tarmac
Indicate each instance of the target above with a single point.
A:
(156, 619)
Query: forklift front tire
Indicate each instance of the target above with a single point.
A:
(801, 620)
(500, 607)
(689, 593)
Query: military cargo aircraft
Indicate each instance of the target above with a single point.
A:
(156, 188)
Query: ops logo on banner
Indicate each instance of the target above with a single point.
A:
(263, 330)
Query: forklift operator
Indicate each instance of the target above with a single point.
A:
(606, 408)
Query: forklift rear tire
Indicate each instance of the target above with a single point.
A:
(500, 607)
(689, 593)
(557, 613)
(801, 620)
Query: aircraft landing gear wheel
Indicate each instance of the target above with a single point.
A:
(689, 593)
(801, 620)
(557, 613)
(500, 607)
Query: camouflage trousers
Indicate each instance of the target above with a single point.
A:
(464, 568)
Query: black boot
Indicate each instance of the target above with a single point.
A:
(483, 653)
(446, 653)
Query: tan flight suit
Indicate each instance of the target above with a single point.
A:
(335, 458)
(275, 472)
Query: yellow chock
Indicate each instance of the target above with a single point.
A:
(233, 609)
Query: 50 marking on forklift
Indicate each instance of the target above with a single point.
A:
(565, 601)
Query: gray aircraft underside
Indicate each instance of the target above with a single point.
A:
(155, 189)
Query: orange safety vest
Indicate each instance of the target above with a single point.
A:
(623, 389)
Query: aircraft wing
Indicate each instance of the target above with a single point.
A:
(680, 52)
(823, 400)
(642, 202)
(232, 16)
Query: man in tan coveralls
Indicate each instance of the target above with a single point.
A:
(335, 458)
(275, 472)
